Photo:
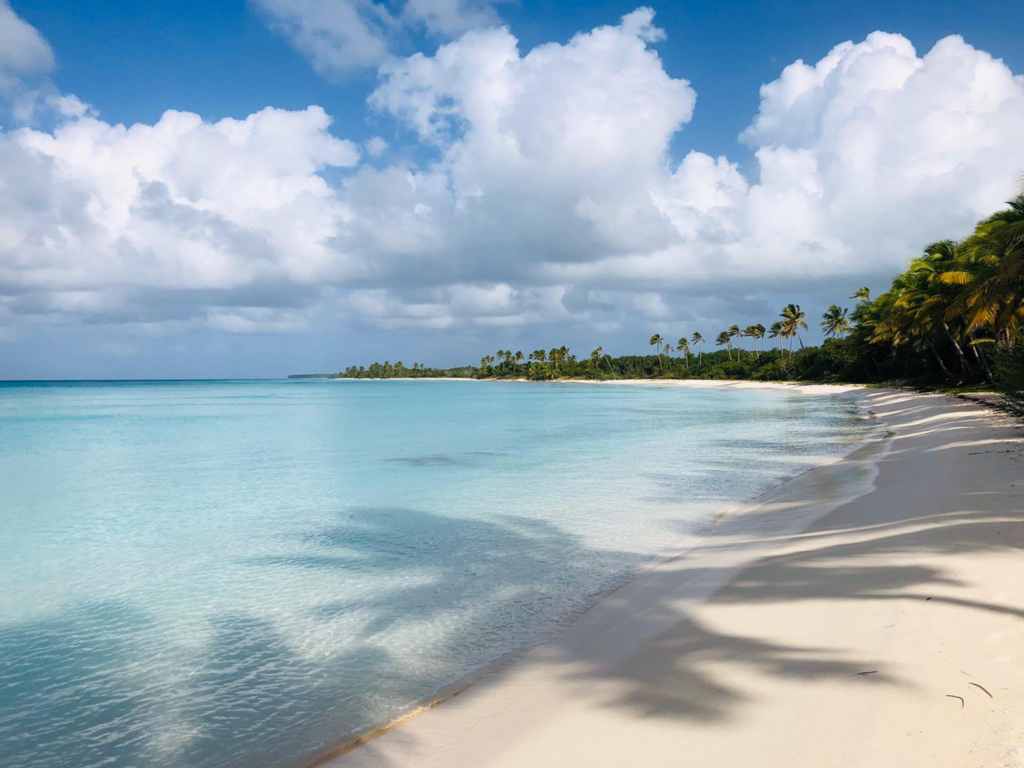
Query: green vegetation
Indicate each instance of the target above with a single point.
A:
(954, 318)
(397, 370)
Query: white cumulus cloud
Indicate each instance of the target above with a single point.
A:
(551, 198)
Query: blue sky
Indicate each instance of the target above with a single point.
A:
(147, 265)
(135, 60)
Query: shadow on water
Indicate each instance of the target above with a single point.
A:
(497, 578)
(253, 700)
(102, 686)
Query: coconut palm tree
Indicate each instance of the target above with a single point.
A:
(834, 321)
(751, 332)
(736, 333)
(698, 338)
(862, 294)
(595, 357)
(556, 357)
(517, 358)
(684, 347)
(792, 322)
(992, 277)
(657, 340)
(725, 340)
(776, 332)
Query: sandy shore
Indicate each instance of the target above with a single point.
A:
(866, 613)
(689, 383)
(807, 389)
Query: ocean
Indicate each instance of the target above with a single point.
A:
(227, 573)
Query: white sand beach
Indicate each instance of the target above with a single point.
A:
(866, 613)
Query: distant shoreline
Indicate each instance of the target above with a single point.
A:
(734, 384)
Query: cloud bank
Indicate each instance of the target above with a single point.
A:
(552, 198)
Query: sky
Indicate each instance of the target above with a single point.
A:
(263, 187)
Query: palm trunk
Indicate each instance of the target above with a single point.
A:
(938, 357)
(956, 345)
(984, 363)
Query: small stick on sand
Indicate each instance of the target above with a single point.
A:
(983, 688)
(951, 696)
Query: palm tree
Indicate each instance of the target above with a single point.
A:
(760, 329)
(736, 333)
(992, 276)
(834, 321)
(517, 358)
(698, 338)
(776, 332)
(684, 347)
(751, 332)
(862, 294)
(595, 357)
(558, 356)
(792, 322)
(657, 340)
(555, 356)
(724, 340)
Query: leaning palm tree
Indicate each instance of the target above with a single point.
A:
(792, 322)
(595, 357)
(684, 347)
(657, 340)
(834, 321)
(724, 340)
(698, 338)
(992, 276)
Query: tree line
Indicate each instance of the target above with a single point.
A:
(954, 317)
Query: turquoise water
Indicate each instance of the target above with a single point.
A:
(244, 573)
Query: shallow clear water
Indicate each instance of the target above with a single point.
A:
(243, 573)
